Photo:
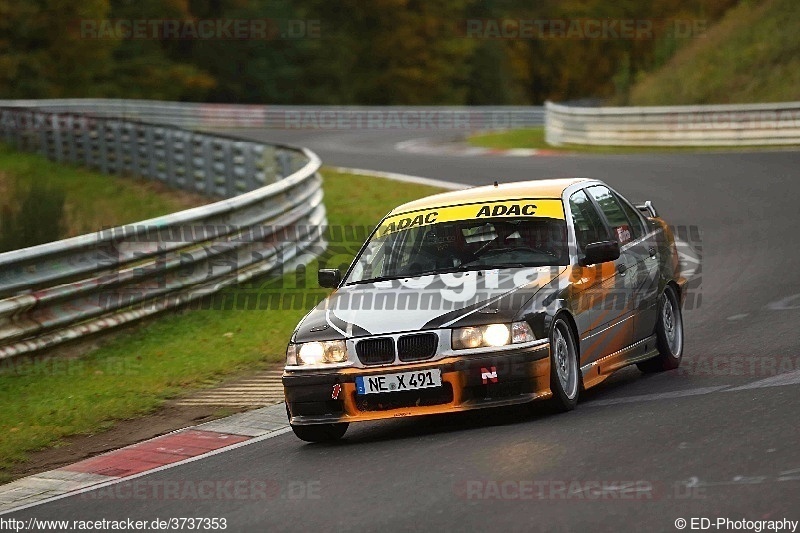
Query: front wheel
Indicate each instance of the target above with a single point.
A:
(669, 335)
(319, 432)
(564, 372)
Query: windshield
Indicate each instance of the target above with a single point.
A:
(453, 245)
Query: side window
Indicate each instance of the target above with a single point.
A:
(589, 226)
(617, 219)
(636, 221)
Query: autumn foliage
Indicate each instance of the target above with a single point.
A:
(344, 52)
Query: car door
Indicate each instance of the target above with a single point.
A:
(645, 248)
(599, 309)
(627, 282)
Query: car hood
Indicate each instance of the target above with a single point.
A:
(426, 302)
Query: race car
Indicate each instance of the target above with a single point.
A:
(487, 297)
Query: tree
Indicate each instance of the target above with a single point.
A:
(42, 51)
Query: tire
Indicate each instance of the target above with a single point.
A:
(319, 432)
(565, 379)
(669, 335)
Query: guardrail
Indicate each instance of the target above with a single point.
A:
(271, 219)
(208, 116)
(709, 125)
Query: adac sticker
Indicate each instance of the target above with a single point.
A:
(530, 207)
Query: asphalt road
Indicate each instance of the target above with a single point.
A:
(638, 453)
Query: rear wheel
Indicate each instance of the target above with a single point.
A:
(319, 432)
(564, 373)
(669, 335)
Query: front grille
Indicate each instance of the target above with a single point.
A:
(417, 347)
(398, 400)
(375, 351)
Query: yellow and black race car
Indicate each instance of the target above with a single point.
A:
(486, 297)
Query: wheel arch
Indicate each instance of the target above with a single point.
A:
(570, 320)
(677, 288)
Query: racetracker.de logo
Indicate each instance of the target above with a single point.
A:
(209, 489)
(260, 29)
(581, 28)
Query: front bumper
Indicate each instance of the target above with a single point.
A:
(329, 396)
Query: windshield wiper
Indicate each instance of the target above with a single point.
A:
(492, 266)
(375, 279)
(446, 270)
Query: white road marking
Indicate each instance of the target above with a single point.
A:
(695, 482)
(738, 317)
(790, 475)
(788, 378)
(657, 396)
(454, 147)
(790, 302)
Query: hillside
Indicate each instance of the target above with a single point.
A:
(751, 55)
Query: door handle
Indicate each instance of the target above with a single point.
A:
(621, 269)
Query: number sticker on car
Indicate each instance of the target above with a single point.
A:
(403, 381)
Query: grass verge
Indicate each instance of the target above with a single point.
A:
(534, 138)
(92, 200)
(46, 400)
(751, 55)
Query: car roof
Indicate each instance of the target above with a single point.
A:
(550, 188)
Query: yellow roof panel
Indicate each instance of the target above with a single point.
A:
(552, 188)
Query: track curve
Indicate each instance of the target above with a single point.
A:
(717, 438)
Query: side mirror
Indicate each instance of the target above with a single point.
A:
(647, 209)
(600, 252)
(330, 278)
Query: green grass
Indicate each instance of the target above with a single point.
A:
(508, 139)
(137, 371)
(751, 55)
(534, 138)
(92, 200)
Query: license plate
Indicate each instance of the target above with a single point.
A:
(403, 381)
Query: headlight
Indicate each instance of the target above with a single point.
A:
(466, 338)
(491, 335)
(291, 354)
(496, 335)
(521, 332)
(316, 353)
